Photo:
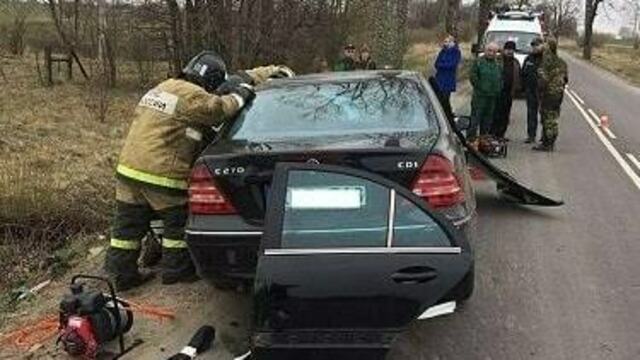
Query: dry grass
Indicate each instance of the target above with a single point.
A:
(619, 59)
(56, 172)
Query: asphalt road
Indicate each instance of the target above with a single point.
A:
(556, 283)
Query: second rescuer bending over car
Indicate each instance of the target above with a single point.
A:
(165, 136)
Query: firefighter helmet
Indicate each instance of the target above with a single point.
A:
(207, 70)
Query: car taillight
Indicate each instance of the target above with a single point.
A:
(204, 196)
(437, 183)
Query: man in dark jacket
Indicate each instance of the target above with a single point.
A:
(365, 62)
(348, 62)
(486, 79)
(529, 77)
(446, 70)
(510, 87)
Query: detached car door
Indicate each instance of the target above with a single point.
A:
(348, 260)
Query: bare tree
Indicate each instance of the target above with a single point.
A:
(17, 32)
(563, 16)
(452, 17)
(591, 11)
(105, 47)
(484, 15)
(634, 6)
(401, 30)
(176, 43)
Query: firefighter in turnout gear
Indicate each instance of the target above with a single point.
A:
(552, 79)
(167, 133)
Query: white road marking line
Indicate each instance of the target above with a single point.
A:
(634, 160)
(595, 116)
(607, 131)
(575, 94)
(607, 144)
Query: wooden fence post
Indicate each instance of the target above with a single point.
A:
(69, 66)
(48, 65)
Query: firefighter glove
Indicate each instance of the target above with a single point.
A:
(243, 93)
(283, 72)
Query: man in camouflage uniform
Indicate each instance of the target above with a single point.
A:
(552, 79)
(167, 133)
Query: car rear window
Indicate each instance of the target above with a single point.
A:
(363, 107)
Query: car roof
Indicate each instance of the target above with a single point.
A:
(340, 76)
(515, 25)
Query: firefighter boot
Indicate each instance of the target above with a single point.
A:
(122, 267)
(177, 266)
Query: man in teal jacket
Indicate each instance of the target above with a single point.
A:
(486, 79)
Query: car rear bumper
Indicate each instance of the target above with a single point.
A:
(324, 339)
(219, 254)
(229, 251)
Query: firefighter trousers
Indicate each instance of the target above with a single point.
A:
(136, 205)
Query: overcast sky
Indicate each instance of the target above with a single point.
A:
(611, 18)
(612, 15)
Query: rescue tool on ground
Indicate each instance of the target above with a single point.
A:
(199, 343)
(90, 318)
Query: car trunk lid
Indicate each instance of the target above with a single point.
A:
(244, 170)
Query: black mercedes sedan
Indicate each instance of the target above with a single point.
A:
(389, 123)
(345, 200)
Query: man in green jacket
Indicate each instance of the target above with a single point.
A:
(167, 132)
(486, 79)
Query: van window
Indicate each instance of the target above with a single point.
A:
(522, 39)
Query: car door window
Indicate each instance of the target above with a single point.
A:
(331, 210)
(413, 227)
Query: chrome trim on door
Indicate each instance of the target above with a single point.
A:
(392, 215)
(224, 233)
(365, 250)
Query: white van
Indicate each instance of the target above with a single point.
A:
(518, 26)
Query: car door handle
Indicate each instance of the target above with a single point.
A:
(412, 276)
